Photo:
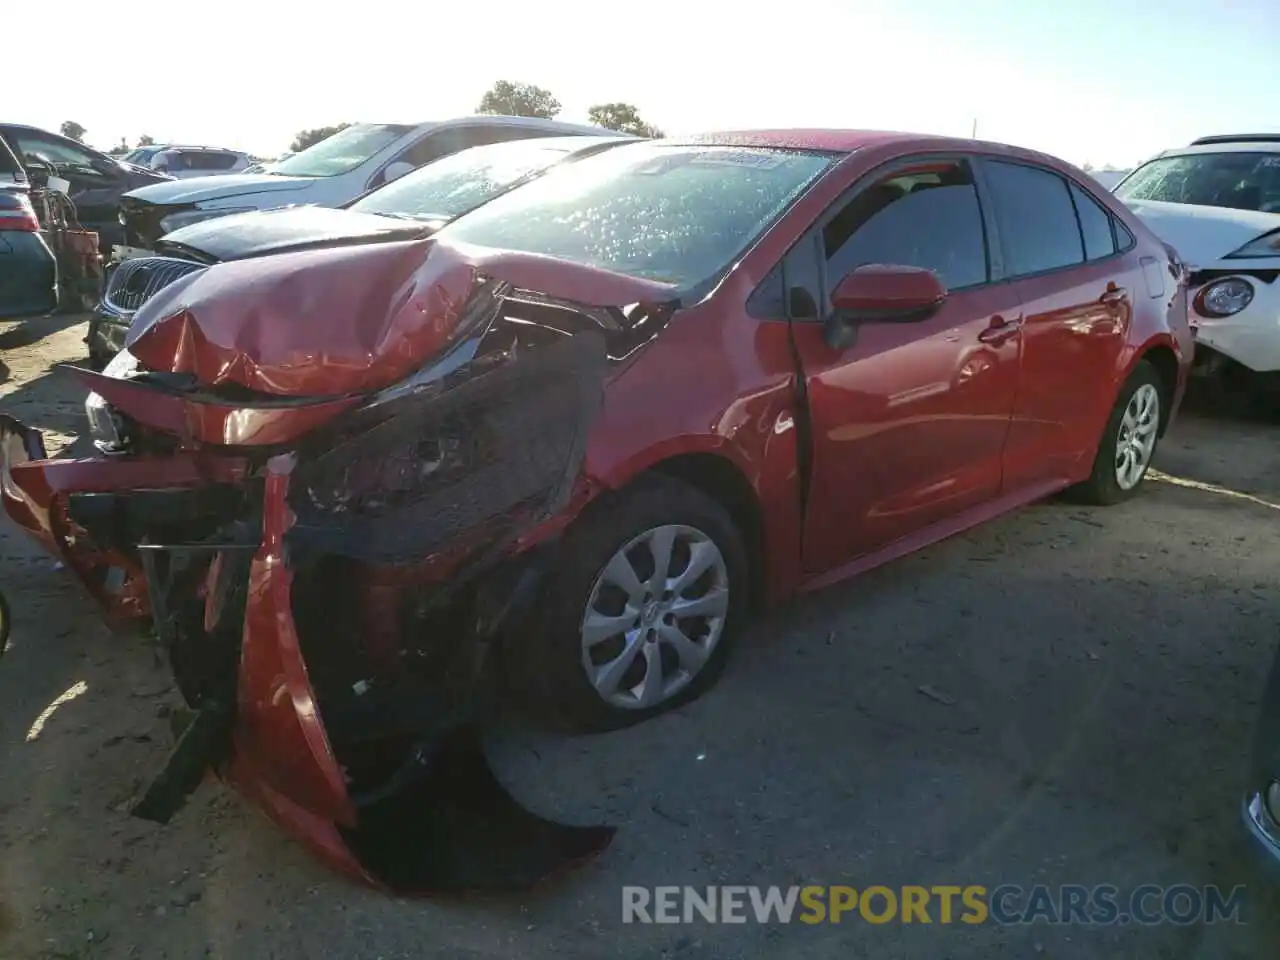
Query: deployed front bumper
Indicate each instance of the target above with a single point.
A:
(224, 606)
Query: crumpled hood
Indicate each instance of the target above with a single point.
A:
(254, 234)
(200, 189)
(1204, 235)
(346, 320)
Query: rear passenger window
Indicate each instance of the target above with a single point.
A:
(1095, 225)
(927, 217)
(1124, 239)
(213, 161)
(1038, 228)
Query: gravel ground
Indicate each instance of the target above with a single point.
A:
(1089, 682)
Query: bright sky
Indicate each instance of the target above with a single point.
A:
(1093, 81)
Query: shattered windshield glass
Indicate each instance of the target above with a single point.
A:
(342, 152)
(457, 183)
(1242, 181)
(677, 214)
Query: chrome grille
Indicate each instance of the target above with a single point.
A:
(134, 282)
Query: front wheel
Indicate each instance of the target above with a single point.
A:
(641, 610)
(1128, 441)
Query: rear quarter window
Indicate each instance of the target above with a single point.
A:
(1095, 225)
(210, 160)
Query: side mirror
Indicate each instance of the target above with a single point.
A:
(882, 293)
(396, 170)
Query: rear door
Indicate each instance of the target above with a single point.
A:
(907, 424)
(1076, 285)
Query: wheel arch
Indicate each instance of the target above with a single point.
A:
(722, 480)
(1165, 361)
(716, 468)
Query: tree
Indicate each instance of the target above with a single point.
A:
(1087, 168)
(146, 140)
(309, 138)
(519, 100)
(120, 149)
(73, 130)
(622, 117)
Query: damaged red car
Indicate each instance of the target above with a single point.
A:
(563, 448)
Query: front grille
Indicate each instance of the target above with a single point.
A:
(134, 282)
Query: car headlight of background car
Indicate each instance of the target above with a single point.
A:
(1224, 298)
(184, 218)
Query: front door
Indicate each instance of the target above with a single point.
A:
(908, 424)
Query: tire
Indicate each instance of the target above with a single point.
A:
(551, 664)
(1104, 487)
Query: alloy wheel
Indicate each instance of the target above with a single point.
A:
(654, 615)
(1136, 441)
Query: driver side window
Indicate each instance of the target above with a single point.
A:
(445, 142)
(926, 216)
(35, 147)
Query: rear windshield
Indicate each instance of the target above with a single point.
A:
(678, 214)
(1242, 181)
(10, 169)
(452, 185)
(342, 152)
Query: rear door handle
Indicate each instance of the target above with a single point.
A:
(1114, 295)
(1000, 330)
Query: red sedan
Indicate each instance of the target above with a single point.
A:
(573, 438)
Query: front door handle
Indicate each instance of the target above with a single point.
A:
(1114, 295)
(1000, 330)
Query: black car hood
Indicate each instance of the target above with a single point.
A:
(241, 236)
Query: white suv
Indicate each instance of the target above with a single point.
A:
(186, 162)
(327, 174)
(1217, 202)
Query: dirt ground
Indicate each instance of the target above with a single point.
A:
(1091, 678)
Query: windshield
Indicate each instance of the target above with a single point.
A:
(679, 214)
(141, 157)
(342, 152)
(451, 186)
(1242, 181)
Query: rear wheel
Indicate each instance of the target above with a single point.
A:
(641, 610)
(1128, 441)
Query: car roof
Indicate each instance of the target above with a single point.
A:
(573, 143)
(848, 141)
(179, 147)
(503, 120)
(808, 138)
(1230, 146)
